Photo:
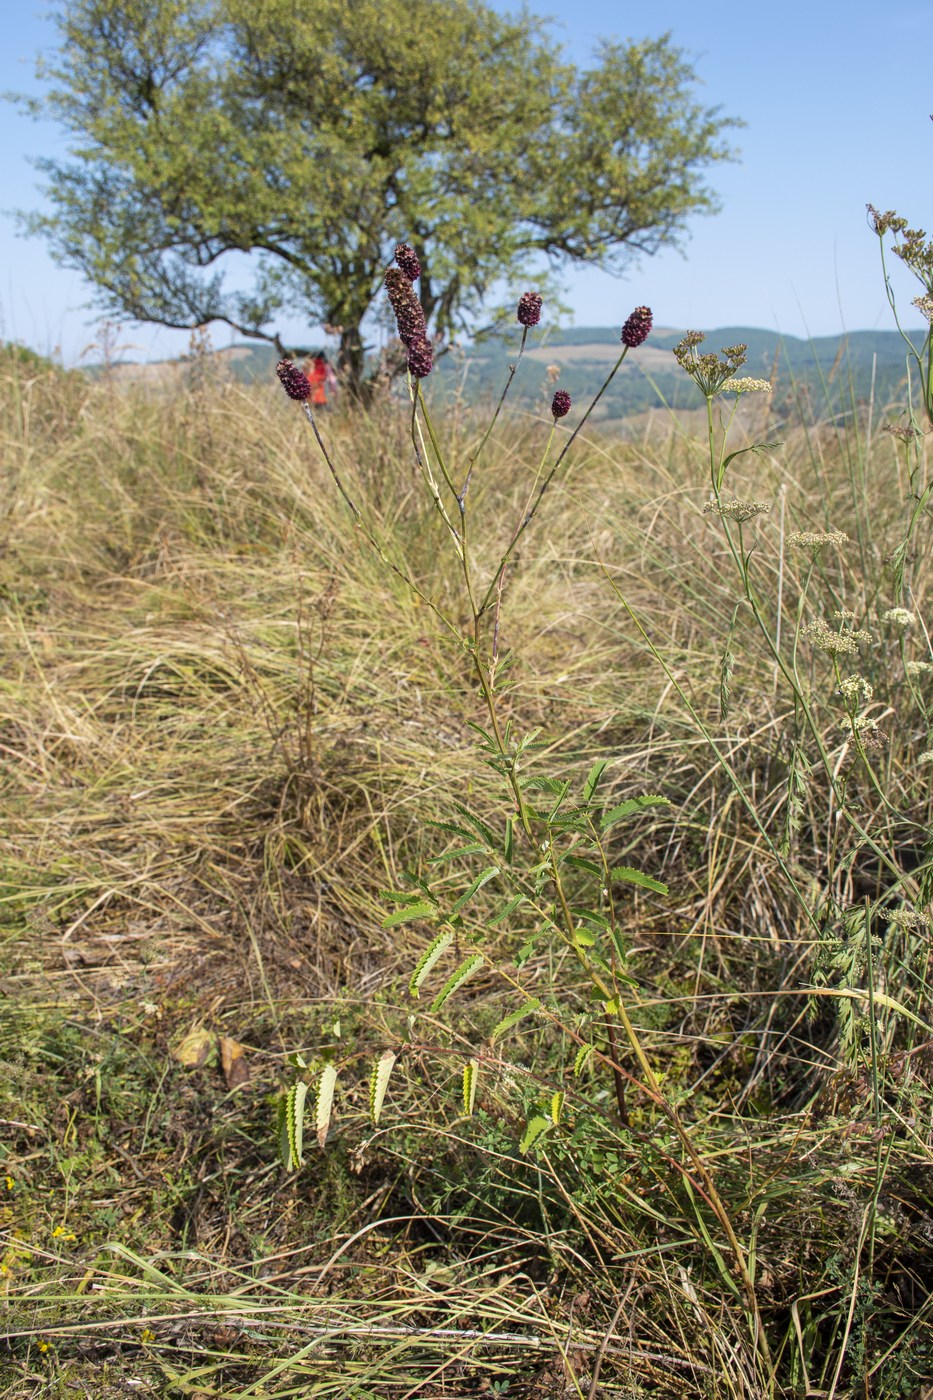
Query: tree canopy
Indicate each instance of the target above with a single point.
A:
(316, 134)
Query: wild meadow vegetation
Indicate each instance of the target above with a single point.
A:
(466, 892)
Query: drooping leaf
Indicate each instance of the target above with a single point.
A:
(508, 844)
(379, 1082)
(592, 916)
(557, 1106)
(325, 1102)
(593, 779)
(474, 886)
(454, 983)
(513, 1018)
(414, 911)
(479, 826)
(583, 1057)
(580, 863)
(506, 910)
(536, 1126)
(435, 949)
(470, 1081)
(633, 804)
(475, 849)
(637, 877)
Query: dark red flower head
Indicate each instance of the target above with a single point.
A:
(409, 313)
(296, 385)
(560, 404)
(420, 357)
(529, 309)
(407, 259)
(637, 328)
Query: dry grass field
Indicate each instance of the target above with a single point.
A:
(225, 728)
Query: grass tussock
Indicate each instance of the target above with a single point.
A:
(226, 725)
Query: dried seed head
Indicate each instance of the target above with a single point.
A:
(296, 385)
(560, 404)
(409, 316)
(737, 510)
(529, 309)
(420, 357)
(637, 328)
(407, 259)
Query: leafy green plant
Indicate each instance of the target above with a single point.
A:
(550, 859)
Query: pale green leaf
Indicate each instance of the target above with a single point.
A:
(379, 1082)
(454, 983)
(637, 877)
(474, 886)
(413, 911)
(536, 1126)
(435, 949)
(513, 1018)
(470, 1081)
(634, 804)
(325, 1102)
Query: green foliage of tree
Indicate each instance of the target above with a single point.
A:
(315, 136)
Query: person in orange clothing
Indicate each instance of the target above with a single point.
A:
(322, 378)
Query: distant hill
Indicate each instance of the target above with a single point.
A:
(820, 378)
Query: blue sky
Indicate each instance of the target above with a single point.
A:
(836, 111)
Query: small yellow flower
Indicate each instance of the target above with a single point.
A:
(60, 1233)
(44, 1346)
(9, 1182)
(147, 1335)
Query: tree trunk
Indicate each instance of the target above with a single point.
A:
(351, 361)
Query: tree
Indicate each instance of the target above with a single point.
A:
(315, 134)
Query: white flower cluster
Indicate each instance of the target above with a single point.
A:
(815, 540)
(737, 510)
(746, 386)
(841, 643)
(918, 668)
(899, 617)
(855, 690)
(906, 918)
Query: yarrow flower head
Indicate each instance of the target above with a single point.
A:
(638, 327)
(737, 510)
(709, 371)
(855, 690)
(899, 617)
(907, 918)
(560, 404)
(296, 385)
(746, 386)
(407, 259)
(815, 540)
(845, 642)
(529, 309)
(918, 668)
(409, 314)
